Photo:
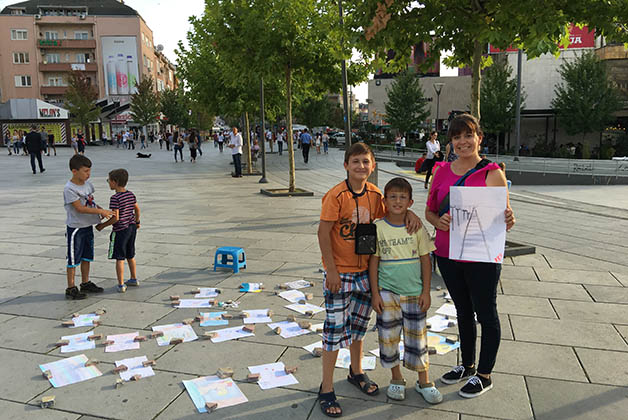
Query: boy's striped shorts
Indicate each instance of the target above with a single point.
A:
(347, 314)
(402, 312)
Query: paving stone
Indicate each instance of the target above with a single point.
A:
(354, 408)
(143, 293)
(202, 357)
(542, 360)
(107, 269)
(4, 318)
(44, 305)
(144, 399)
(561, 400)
(202, 278)
(516, 272)
(15, 411)
(132, 315)
(9, 278)
(520, 305)
(608, 294)
(546, 290)
(576, 276)
(533, 260)
(294, 256)
(605, 367)
(21, 377)
(277, 304)
(622, 278)
(623, 330)
(592, 311)
(270, 404)
(567, 333)
(306, 270)
(34, 334)
(508, 399)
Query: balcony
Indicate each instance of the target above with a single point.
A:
(53, 90)
(66, 43)
(62, 67)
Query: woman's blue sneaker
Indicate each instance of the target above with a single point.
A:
(132, 282)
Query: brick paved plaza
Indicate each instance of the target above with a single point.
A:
(564, 310)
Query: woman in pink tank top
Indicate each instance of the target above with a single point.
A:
(472, 285)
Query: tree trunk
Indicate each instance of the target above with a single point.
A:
(291, 186)
(247, 146)
(476, 78)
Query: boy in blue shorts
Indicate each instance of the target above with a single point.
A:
(82, 213)
(125, 221)
(400, 273)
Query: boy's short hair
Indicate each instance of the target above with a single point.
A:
(359, 149)
(464, 123)
(79, 161)
(119, 176)
(398, 184)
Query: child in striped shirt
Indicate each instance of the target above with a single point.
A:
(125, 221)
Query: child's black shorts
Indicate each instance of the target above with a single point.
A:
(122, 243)
(80, 245)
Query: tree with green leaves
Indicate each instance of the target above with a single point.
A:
(145, 103)
(498, 96)
(80, 99)
(467, 27)
(586, 99)
(406, 107)
(174, 105)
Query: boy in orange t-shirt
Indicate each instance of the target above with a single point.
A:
(346, 282)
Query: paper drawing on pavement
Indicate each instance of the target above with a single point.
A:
(289, 329)
(85, 320)
(257, 316)
(292, 296)
(70, 371)
(227, 334)
(206, 292)
(78, 342)
(477, 230)
(122, 342)
(171, 331)
(135, 367)
(194, 303)
(344, 360)
(273, 375)
(212, 389)
(212, 319)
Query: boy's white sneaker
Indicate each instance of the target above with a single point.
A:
(397, 390)
(121, 288)
(429, 392)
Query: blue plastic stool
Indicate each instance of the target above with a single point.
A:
(234, 262)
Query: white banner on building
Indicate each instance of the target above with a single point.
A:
(120, 64)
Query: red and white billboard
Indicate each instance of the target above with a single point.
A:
(578, 38)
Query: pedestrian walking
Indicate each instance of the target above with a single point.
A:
(398, 144)
(80, 142)
(168, 141)
(193, 144)
(306, 142)
(143, 141)
(432, 146)
(35, 147)
(326, 143)
(16, 142)
(403, 145)
(44, 140)
(319, 141)
(221, 141)
(472, 285)
(7, 143)
(280, 136)
(160, 139)
(131, 140)
(235, 144)
(51, 144)
(199, 141)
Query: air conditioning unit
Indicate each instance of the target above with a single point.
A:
(37, 16)
(82, 16)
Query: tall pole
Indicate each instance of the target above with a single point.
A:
(344, 88)
(438, 87)
(518, 106)
(263, 180)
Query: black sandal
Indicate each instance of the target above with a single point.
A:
(362, 377)
(328, 400)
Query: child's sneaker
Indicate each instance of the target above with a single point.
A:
(475, 386)
(91, 287)
(132, 282)
(429, 392)
(397, 389)
(457, 374)
(121, 288)
(74, 293)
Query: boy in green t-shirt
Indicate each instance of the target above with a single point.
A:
(400, 275)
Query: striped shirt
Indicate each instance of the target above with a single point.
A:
(124, 202)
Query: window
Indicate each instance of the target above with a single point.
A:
(20, 58)
(51, 35)
(55, 81)
(67, 57)
(81, 58)
(160, 85)
(81, 35)
(19, 34)
(52, 58)
(22, 81)
(17, 11)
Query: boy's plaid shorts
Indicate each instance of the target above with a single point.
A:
(402, 312)
(347, 313)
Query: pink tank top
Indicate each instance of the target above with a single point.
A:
(443, 179)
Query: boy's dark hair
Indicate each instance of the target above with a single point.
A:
(79, 161)
(119, 176)
(464, 123)
(358, 149)
(398, 184)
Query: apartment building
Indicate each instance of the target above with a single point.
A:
(40, 45)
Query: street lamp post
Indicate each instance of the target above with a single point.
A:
(438, 87)
(263, 133)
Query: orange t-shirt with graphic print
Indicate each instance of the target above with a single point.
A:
(339, 206)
